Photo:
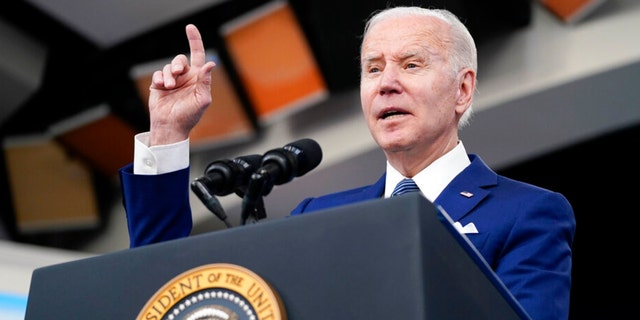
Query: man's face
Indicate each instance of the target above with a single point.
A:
(408, 90)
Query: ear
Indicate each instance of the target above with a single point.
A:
(466, 89)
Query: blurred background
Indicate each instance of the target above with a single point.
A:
(557, 106)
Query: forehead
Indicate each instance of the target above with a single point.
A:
(404, 32)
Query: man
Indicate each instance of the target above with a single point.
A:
(417, 85)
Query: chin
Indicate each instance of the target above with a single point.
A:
(392, 144)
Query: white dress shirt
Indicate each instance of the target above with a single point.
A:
(159, 159)
(434, 178)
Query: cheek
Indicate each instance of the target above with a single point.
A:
(366, 96)
(443, 98)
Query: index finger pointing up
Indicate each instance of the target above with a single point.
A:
(196, 46)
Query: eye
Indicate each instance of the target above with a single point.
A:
(411, 66)
(374, 70)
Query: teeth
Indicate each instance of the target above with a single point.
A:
(389, 114)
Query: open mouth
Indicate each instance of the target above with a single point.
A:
(391, 113)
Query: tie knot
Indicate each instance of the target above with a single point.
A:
(405, 186)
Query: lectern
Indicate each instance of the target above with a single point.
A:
(397, 258)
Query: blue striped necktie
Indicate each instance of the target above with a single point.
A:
(405, 186)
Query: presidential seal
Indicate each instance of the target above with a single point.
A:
(215, 292)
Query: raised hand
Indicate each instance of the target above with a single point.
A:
(180, 93)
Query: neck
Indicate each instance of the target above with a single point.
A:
(411, 162)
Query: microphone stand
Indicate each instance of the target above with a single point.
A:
(253, 200)
(256, 213)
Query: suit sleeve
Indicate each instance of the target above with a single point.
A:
(535, 263)
(157, 206)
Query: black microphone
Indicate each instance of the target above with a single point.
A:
(223, 177)
(210, 201)
(281, 165)
(278, 166)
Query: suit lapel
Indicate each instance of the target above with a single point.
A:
(467, 189)
(375, 190)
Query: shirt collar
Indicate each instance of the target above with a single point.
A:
(434, 178)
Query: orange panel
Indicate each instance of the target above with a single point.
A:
(104, 141)
(571, 10)
(274, 61)
(50, 190)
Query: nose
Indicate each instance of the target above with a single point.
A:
(390, 81)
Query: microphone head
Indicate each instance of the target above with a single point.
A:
(249, 162)
(281, 165)
(223, 177)
(308, 154)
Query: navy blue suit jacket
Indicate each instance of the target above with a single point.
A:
(525, 233)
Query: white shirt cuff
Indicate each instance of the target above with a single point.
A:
(159, 159)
